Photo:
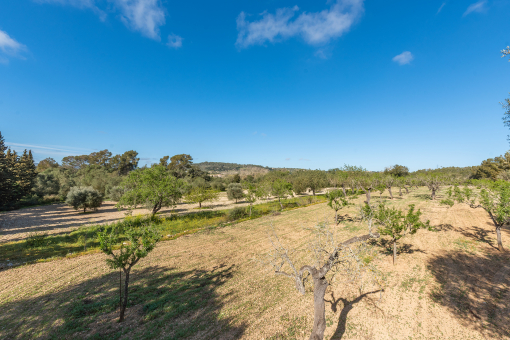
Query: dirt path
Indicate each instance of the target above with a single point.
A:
(442, 286)
(60, 218)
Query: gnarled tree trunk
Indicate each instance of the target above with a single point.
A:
(400, 191)
(500, 243)
(320, 284)
(391, 194)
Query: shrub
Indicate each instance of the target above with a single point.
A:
(83, 198)
(237, 213)
(35, 240)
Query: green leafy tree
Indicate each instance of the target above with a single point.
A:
(46, 183)
(397, 224)
(140, 242)
(83, 198)
(316, 180)
(263, 190)
(180, 165)
(381, 186)
(366, 182)
(200, 195)
(397, 170)
(251, 195)
(153, 188)
(235, 191)
(494, 198)
(45, 164)
(280, 188)
(336, 201)
(125, 163)
(434, 182)
(7, 177)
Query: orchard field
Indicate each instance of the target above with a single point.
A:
(449, 282)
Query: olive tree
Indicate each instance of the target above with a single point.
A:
(316, 180)
(153, 188)
(140, 242)
(235, 191)
(349, 259)
(434, 183)
(494, 198)
(83, 198)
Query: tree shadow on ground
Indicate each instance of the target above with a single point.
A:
(345, 218)
(162, 302)
(387, 247)
(347, 307)
(475, 288)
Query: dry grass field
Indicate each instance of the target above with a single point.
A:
(451, 283)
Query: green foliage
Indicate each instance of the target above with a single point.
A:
(336, 201)
(280, 188)
(237, 213)
(46, 183)
(396, 223)
(152, 187)
(492, 167)
(47, 163)
(235, 191)
(201, 194)
(35, 240)
(83, 198)
(115, 193)
(140, 242)
(397, 170)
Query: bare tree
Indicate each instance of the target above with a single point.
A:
(350, 259)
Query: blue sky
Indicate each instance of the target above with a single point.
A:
(282, 83)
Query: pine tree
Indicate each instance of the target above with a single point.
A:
(6, 176)
(26, 172)
(13, 166)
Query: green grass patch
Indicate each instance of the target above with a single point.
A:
(39, 247)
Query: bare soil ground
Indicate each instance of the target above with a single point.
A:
(447, 284)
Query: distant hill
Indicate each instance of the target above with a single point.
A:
(233, 168)
(222, 167)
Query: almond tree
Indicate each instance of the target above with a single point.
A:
(388, 182)
(251, 195)
(152, 187)
(434, 183)
(396, 224)
(201, 194)
(366, 182)
(348, 259)
(281, 189)
(336, 201)
(140, 242)
(494, 198)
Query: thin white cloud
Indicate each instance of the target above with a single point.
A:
(47, 147)
(315, 28)
(10, 48)
(174, 41)
(145, 16)
(403, 58)
(441, 8)
(477, 7)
